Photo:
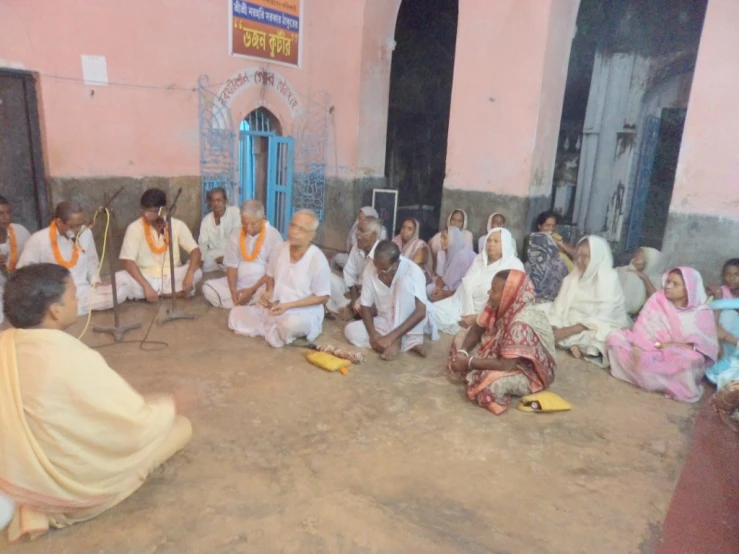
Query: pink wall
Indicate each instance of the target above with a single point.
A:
(707, 180)
(126, 131)
(502, 98)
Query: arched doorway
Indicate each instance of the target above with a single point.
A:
(418, 112)
(265, 165)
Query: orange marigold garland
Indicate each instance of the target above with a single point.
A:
(69, 264)
(13, 259)
(257, 247)
(150, 241)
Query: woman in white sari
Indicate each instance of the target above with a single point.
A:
(458, 219)
(590, 304)
(462, 309)
(641, 278)
(495, 219)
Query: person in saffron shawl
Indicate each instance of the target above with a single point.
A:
(510, 350)
(458, 259)
(673, 341)
(590, 304)
(545, 266)
(412, 247)
(726, 308)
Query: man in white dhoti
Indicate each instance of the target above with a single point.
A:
(368, 233)
(13, 237)
(298, 278)
(395, 289)
(145, 254)
(246, 258)
(69, 243)
(216, 229)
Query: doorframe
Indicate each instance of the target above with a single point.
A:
(41, 192)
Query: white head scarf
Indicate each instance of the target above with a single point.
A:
(634, 289)
(464, 218)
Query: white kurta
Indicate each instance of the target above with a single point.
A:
(353, 272)
(84, 273)
(471, 296)
(593, 299)
(394, 305)
(217, 292)
(154, 267)
(310, 276)
(213, 239)
(21, 237)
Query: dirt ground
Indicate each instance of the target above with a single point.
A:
(391, 458)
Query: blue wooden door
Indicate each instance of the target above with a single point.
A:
(644, 167)
(280, 158)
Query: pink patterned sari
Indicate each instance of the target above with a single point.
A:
(411, 248)
(637, 358)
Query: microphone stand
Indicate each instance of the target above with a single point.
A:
(172, 313)
(117, 330)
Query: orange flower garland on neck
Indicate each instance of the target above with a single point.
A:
(53, 235)
(257, 246)
(13, 258)
(150, 241)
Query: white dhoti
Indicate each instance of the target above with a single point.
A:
(338, 299)
(403, 306)
(162, 285)
(257, 321)
(210, 265)
(217, 292)
(98, 298)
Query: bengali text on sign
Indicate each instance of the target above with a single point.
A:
(267, 29)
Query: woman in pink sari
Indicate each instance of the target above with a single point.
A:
(673, 341)
(413, 248)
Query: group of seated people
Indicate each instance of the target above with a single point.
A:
(507, 319)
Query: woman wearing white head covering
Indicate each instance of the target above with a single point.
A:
(458, 219)
(472, 295)
(590, 305)
(340, 259)
(459, 258)
(641, 278)
(495, 220)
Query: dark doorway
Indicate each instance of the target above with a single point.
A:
(662, 179)
(420, 98)
(21, 167)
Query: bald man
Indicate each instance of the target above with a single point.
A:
(298, 286)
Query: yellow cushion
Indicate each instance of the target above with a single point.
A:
(543, 402)
(326, 361)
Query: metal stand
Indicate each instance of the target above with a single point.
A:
(117, 331)
(172, 313)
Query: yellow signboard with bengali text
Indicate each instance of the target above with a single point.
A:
(267, 29)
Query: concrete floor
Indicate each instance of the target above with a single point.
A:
(390, 458)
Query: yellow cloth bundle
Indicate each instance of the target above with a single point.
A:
(327, 361)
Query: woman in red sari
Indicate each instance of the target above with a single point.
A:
(510, 350)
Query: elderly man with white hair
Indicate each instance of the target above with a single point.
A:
(367, 234)
(298, 286)
(246, 256)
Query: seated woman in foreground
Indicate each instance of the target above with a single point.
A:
(545, 267)
(495, 220)
(641, 278)
(458, 259)
(726, 308)
(590, 304)
(673, 341)
(76, 438)
(509, 350)
(412, 247)
(461, 309)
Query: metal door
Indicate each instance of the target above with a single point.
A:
(22, 180)
(642, 182)
(280, 182)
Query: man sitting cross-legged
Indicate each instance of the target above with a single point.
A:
(247, 254)
(145, 253)
(75, 438)
(394, 288)
(298, 278)
(216, 229)
(368, 232)
(69, 243)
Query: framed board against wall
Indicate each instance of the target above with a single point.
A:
(385, 201)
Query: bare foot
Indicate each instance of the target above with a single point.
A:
(576, 352)
(420, 349)
(391, 352)
(346, 314)
(329, 315)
